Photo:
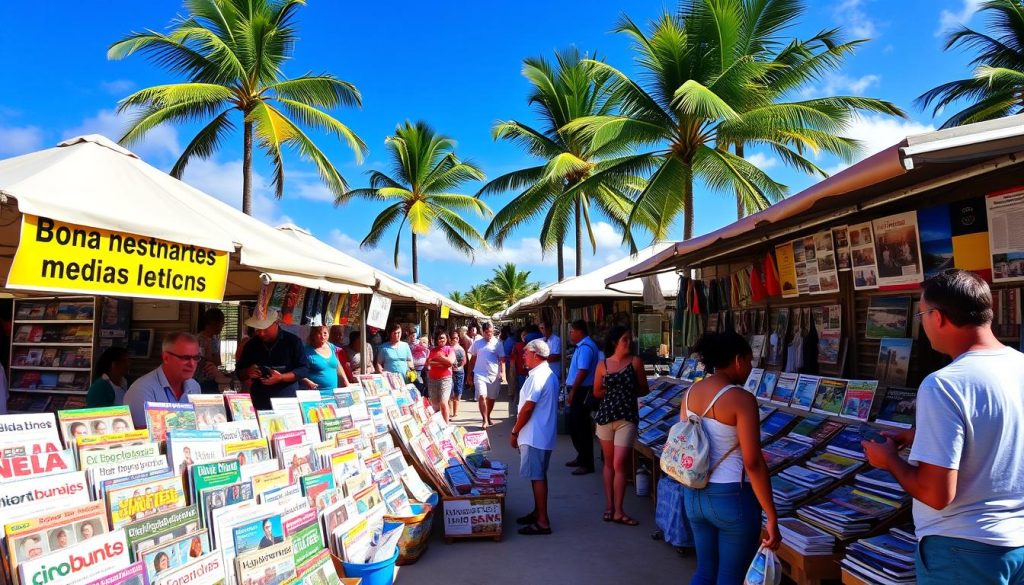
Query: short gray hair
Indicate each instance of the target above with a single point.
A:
(171, 338)
(539, 347)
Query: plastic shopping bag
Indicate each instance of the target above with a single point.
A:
(765, 569)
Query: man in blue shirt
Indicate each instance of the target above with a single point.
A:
(171, 381)
(580, 379)
(274, 360)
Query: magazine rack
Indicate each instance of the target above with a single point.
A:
(808, 570)
(851, 579)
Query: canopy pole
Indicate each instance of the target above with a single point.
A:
(364, 310)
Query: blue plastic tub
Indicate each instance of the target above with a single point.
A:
(379, 573)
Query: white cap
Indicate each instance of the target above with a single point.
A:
(539, 347)
(257, 323)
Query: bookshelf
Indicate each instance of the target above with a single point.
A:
(53, 340)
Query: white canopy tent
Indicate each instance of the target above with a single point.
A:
(592, 284)
(91, 181)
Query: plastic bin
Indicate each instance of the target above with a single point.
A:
(416, 536)
(379, 573)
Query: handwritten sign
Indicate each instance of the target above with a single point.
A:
(479, 516)
(380, 307)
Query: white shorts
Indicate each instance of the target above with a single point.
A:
(485, 388)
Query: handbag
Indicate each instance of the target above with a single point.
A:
(687, 451)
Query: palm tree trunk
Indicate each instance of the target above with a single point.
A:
(579, 240)
(247, 168)
(740, 208)
(561, 262)
(415, 265)
(687, 201)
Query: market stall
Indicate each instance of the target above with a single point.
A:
(824, 286)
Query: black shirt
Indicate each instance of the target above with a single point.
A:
(285, 354)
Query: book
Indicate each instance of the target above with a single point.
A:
(829, 397)
(775, 424)
(753, 380)
(857, 401)
(164, 416)
(893, 361)
(766, 386)
(785, 386)
(847, 443)
(833, 464)
(106, 551)
(803, 394)
(898, 408)
(93, 421)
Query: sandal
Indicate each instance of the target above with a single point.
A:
(534, 529)
(607, 516)
(528, 519)
(626, 520)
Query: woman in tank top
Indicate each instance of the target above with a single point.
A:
(726, 515)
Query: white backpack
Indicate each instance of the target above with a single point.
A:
(687, 453)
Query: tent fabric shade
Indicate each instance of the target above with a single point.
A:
(315, 283)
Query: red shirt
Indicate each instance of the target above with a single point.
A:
(518, 358)
(435, 372)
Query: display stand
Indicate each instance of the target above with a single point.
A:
(467, 517)
(807, 570)
(851, 579)
(51, 353)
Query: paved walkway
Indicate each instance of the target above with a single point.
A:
(582, 549)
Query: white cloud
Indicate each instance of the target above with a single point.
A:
(312, 190)
(839, 84)
(381, 257)
(160, 142)
(877, 132)
(762, 161)
(117, 87)
(952, 19)
(854, 20)
(15, 140)
(223, 180)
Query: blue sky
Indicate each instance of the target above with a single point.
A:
(455, 65)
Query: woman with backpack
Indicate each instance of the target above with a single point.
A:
(726, 514)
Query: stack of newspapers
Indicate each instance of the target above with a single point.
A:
(214, 492)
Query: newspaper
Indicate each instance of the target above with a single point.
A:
(271, 565)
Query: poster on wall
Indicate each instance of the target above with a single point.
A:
(825, 259)
(862, 256)
(811, 265)
(898, 249)
(841, 236)
(787, 270)
(800, 264)
(1006, 234)
(649, 334)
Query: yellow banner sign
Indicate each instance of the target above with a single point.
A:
(56, 256)
(445, 310)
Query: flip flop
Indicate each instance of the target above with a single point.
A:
(534, 529)
(528, 519)
(626, 520)
(607, 516)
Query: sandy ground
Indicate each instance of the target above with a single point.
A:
(582, 548)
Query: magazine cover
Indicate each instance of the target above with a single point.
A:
(898, 249)
(108, 551)
(239, 406)
(52, 532)
(161, 528)
(829, 398)
(862, 254)
(858, 399)
(893, 361)
(899, 407)
(99, 475)
(133, 574)
(28, 428)
(319, 570)
(164, 416)
(806, 388)
(212, 498)
(753, 380)
(92, 455)
(303, 531)
(888, 317)
(175, 554)
(208, 569)
(239, 430)
(186, 447)
(214, 473)
(266, 482)
(256, 534)
(37, 465)
(246, 452)
(23, 498)
(93, 421)
(128, 504)
(210, 410)
(271, 565)
(767, 384)
(785, 386)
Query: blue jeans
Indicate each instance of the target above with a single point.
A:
(458, 382)
(942, 559)
(726, 523)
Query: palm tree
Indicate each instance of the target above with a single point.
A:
(509, 285)
(231, 52)
(704, 91)
(476, 298)
(997, 87)
(562, 93)
(797, 64)
(419, 191)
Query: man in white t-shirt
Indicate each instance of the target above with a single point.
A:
(966, 470)
(534, 433)
(487, 368)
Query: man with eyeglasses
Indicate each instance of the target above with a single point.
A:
(171, 381)
(965, 473)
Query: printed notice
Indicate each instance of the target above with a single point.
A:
(63, 257)
(1006, 234)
